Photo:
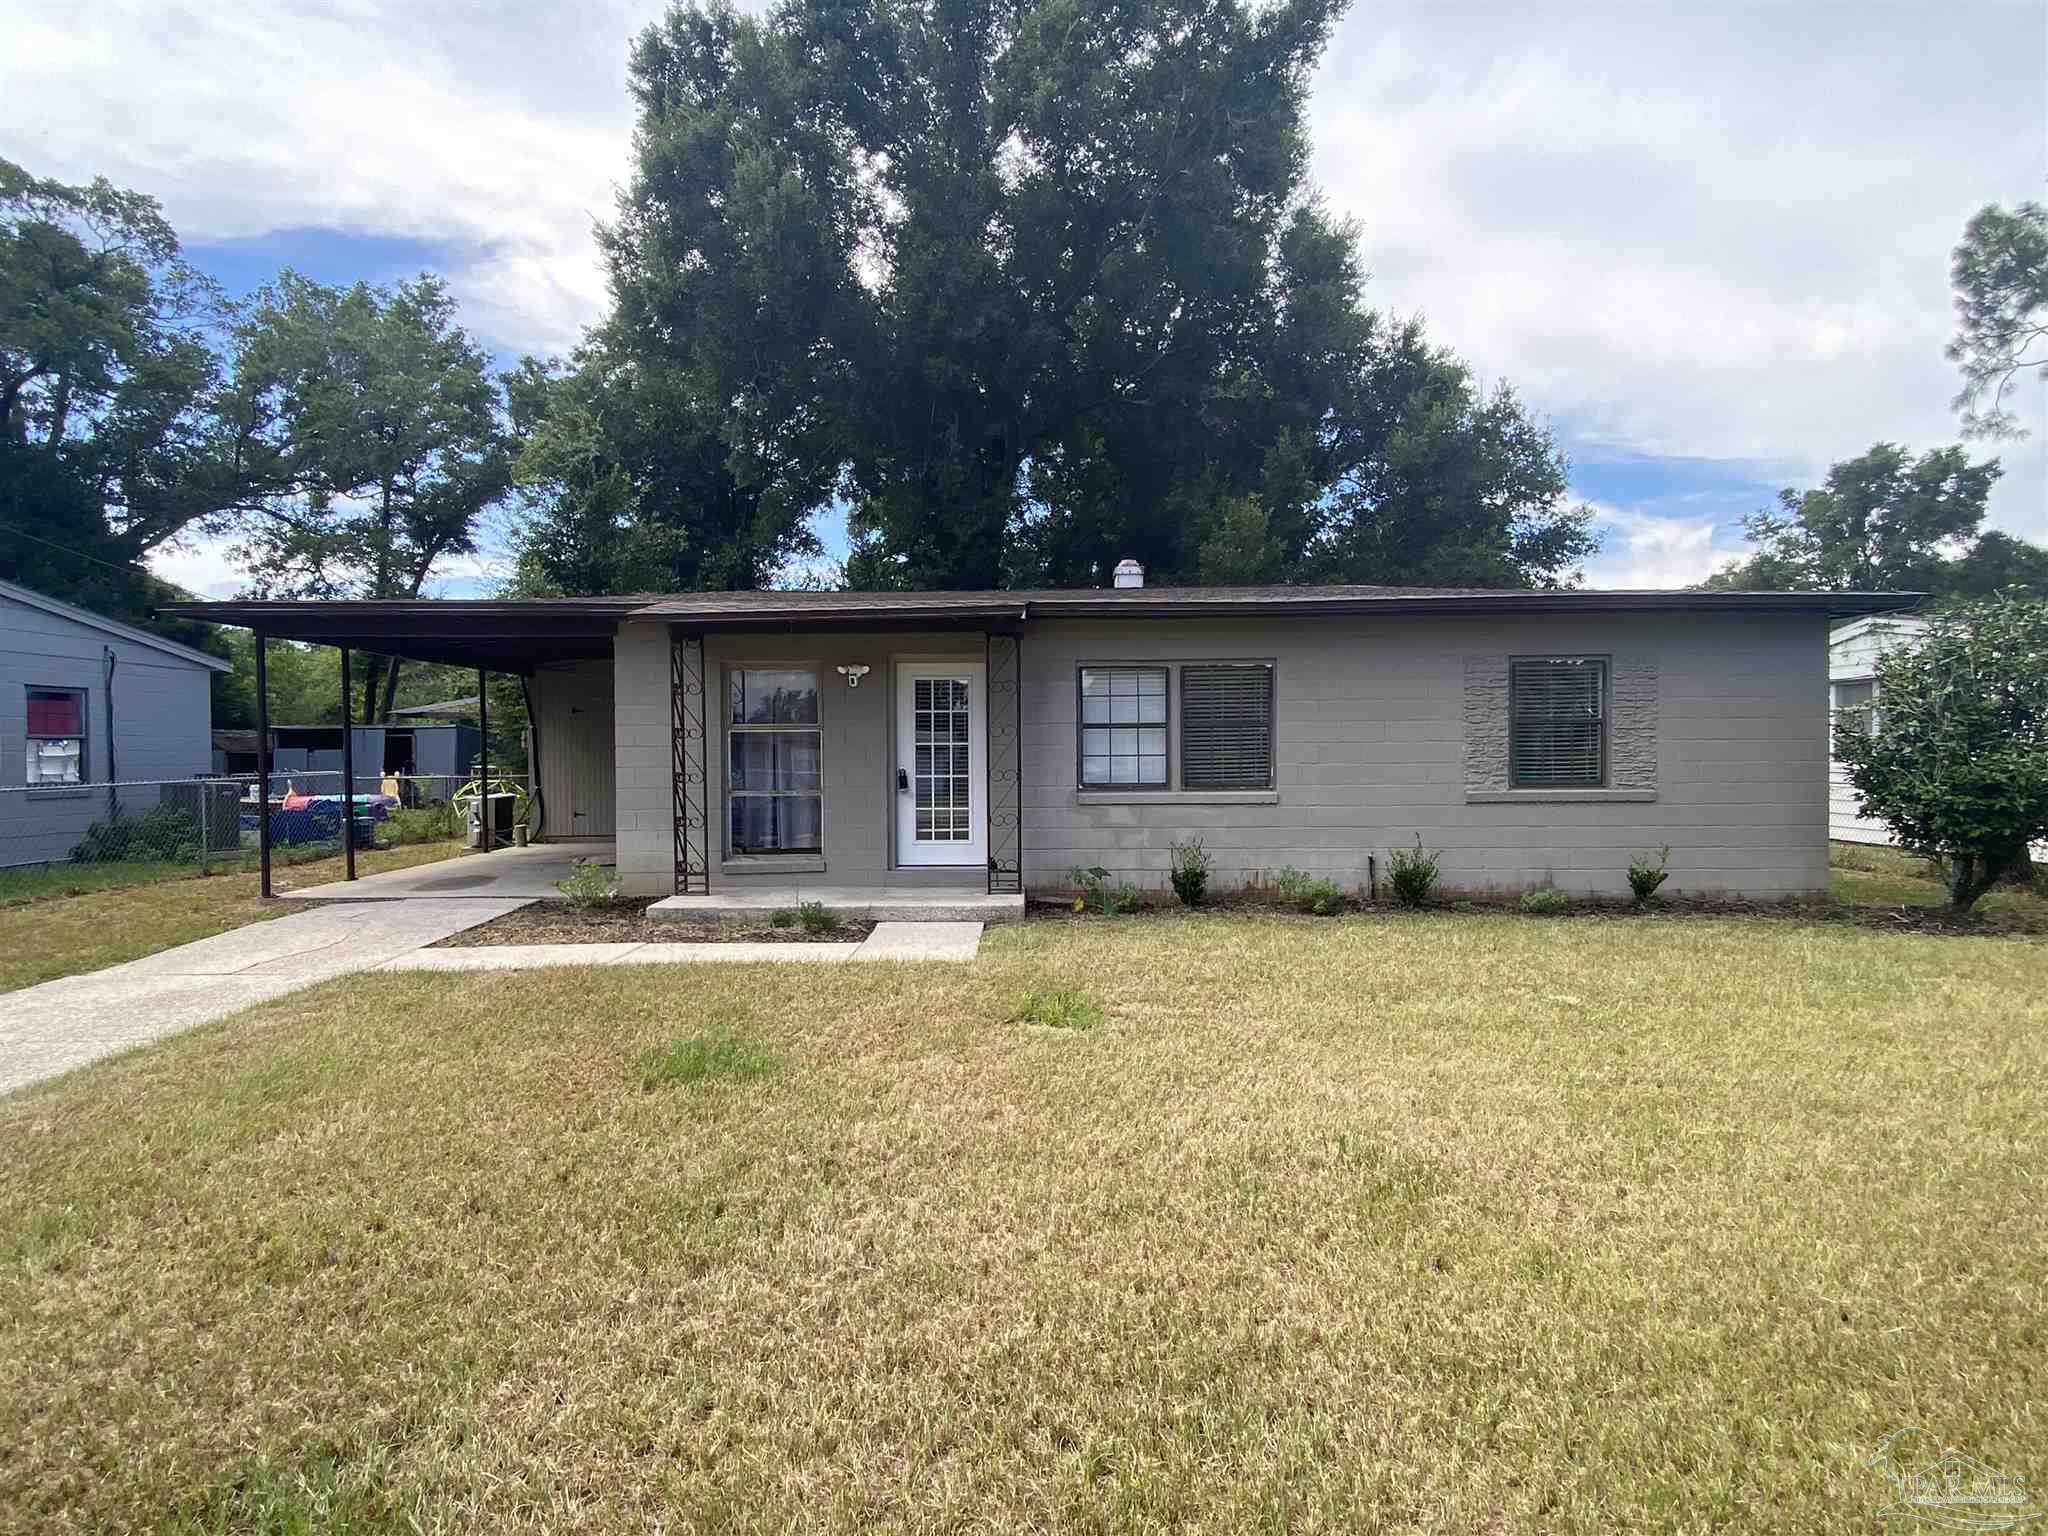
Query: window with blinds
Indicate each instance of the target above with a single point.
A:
(1557, 735)
(1226, 726)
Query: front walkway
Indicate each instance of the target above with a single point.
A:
(51, 1028)
(503, 874)
(65, 1023)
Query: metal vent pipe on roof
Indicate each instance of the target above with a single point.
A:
(1129, 574)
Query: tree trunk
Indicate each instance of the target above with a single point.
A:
(390, 687)
(1971, 875)
(369, 676)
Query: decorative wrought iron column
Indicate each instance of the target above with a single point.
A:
(689, 719)
(1005, 764)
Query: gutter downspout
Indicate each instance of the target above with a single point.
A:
(109, 662)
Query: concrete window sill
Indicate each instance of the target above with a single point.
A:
(774, 864)
(1559, 796)
(1176, 797)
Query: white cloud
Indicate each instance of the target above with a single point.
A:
(1717, 232)
(1646, 550)
(500, 131)
(203, 567)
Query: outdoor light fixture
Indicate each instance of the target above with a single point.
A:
(853, 675)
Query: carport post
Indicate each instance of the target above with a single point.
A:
(483, 761)
(262, 768)
(348, 778)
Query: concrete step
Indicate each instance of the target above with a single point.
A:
(868, 905)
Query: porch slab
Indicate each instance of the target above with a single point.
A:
(906, 904)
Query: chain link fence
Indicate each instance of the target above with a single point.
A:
(211, 824)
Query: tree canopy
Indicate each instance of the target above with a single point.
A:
(378, 426)
(1955, 758)
(108, 445)
(1887, 521)
(1029, 286)
(2000, 275)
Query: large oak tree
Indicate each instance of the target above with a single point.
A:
(1032, 285)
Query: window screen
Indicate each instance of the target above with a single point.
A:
(1558, 738)
(1123, 727)
(1226, 727)
(56, 736)
(774, 782)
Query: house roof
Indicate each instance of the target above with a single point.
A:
(517, 633)
(725, 609)
(108, 626)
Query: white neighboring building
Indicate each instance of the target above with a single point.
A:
(1852, 684)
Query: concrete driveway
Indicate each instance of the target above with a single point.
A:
(65, 1023)
(523, 874)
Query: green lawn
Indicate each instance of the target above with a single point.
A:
(61, 920)
(1442, 1222)
(1873, 875)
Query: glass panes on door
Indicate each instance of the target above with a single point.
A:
(1123, 727)
(941, 777)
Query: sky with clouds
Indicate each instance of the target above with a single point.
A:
(1708, 242)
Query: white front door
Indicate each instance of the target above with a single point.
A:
(941, 763)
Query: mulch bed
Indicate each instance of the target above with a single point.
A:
(1900, 919)
(627, 922)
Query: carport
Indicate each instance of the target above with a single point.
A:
(511, 637)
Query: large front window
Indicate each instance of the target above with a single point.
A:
(774, 760)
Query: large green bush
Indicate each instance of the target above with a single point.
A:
(1954, 759)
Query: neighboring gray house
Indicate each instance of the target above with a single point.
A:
(83, 701)
(996, 740)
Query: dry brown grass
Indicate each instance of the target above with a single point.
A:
(64, 934)
(1396, 1222)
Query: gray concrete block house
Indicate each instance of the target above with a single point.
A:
(84, 701)
(991, 741)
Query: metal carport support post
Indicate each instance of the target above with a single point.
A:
(483, 762)
(262, 768)
(348, 777)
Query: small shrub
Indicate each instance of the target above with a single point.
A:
(1058, 1007)
(1547, 902)
(1097, 891)
(159, 835)
(817, 918)
(588, 885)
(698, 1058)
(1190, 871)
(1413, 873)
(1311, 894)
(423, 824)
(782, 917)
(1646, 874)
